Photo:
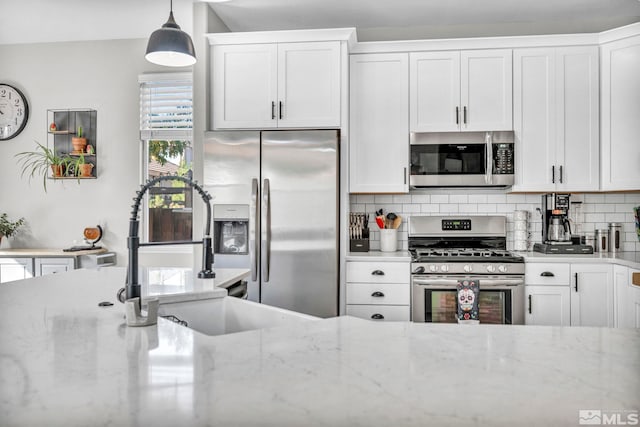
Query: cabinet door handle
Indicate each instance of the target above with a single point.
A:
(377, 273)
(377, 316)
(280, 109)
(547, 274)
(576, 287)
(529, 304)
(405, 176)
(273, 110)
(553, 174)
(464, 114)
(377, 294)
(457, 115)
(560, 174)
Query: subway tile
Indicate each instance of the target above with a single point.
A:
(365, 198)
(594, 198)
(411, 208)
(496, 198)
(614, 217)
(632, 198)
(477, 198)
(430, 207)
(504, 207)
(534, 198)
(402, 198)
(458, 198)
(605, 207)
(614, 198)
(420, 198)
(487, 208)
(383, 198)
(516, 198)
(624, 207)
(439, 198)
(468, 208)
(446, 208)
(358, 208)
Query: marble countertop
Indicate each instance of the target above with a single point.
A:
(64, 361)
(398, 256)
(628, 259)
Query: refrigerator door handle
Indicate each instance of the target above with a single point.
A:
(256, 241)
(266, 232)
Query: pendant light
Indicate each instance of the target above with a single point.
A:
(170, 46)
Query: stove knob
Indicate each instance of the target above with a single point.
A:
(444, 268)
(468, 268)
(433, 268)
(502, 268)
(419, 270)
(491, 268)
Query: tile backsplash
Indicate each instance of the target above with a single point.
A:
(598, 210)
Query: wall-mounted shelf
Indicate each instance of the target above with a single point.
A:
(66, 127)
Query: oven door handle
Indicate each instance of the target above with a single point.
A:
(454, 282)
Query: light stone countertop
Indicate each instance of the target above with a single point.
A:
(48, 253)
(397, 256)
(64, 361)
(628, 259)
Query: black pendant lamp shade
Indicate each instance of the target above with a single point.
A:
(170, 45)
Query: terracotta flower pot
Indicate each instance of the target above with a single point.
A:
(57, 170)
(85, 169)
(79, 144)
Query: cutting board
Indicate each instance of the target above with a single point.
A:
(635, 279)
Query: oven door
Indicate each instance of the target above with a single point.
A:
(434, 299)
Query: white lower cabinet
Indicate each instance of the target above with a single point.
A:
(378, 290)
(15, 269)
(547, 305)
(576, 294)
(44, 266)
(627, 298)
(592, 295)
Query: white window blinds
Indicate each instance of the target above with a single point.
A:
(166, 106)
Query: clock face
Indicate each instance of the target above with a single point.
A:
(14, 112)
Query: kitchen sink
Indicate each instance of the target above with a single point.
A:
(228, 315)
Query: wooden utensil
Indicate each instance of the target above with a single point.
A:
(397, 222)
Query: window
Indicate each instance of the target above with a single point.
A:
(166, 123)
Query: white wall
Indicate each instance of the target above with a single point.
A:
(102, 75)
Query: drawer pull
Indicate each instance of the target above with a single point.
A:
(377, 273)
(547, 274)
(377, 294)
(576, 282)
(377, 316)
(529, 304)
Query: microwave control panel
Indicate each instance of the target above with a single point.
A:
(503, 159)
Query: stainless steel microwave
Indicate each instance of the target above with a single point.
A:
(462, 159)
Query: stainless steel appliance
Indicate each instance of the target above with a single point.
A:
(446, 250)
(289, 181)
(556, 231)
(466, 159)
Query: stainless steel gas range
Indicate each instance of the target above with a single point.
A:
(446, 250)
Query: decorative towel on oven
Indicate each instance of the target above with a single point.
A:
(468, 295)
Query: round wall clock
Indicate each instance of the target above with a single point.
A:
(14, 111)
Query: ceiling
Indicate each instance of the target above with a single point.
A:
(34, 21)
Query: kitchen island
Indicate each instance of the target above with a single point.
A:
(65, 361)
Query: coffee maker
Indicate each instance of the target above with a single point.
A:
(556, 229)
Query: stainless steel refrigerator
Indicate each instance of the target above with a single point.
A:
(282, 186)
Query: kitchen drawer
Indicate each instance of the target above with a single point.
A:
(380, 312)
(378, 272)
(378, 293)
(547, 274)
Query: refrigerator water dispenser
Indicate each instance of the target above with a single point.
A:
(231, 229)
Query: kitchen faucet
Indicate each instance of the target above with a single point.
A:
(133, 288)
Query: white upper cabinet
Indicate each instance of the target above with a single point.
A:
(379, 123)
(286, 85)
(556, 112)
(461, 91)
(620, 115)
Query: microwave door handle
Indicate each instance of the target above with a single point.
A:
(489, 157)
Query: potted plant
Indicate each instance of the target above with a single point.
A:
(8, 228)
(79, 142)
(82, 168)
(39, 161)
